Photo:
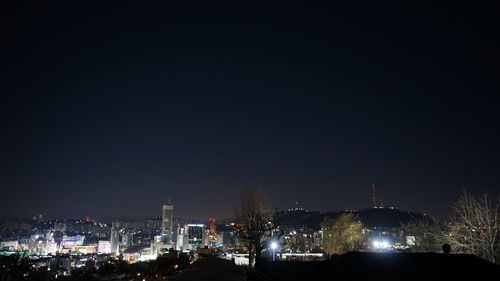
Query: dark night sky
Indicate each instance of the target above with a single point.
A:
(112, 108)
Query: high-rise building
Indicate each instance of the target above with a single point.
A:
(126, 240)
(50, 246)
(115, 238)
(167, 223)
(195, 235)
(212, 227)
(181, 238)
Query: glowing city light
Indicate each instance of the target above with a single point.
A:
(381, 244)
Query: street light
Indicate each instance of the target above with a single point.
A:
(381, 244)
(274, 245)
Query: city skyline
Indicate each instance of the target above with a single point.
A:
(114, 110)
(249, 140)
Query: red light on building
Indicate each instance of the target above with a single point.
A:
(212, 228)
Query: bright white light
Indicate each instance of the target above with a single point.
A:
(274, 245)
(381, 244)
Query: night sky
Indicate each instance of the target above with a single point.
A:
(110, 108)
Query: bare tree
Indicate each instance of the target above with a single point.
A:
(426, 233)
(474, 229)
(343, 234)
(254, 221)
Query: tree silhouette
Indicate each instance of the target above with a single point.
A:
(343, 234)
(254, 221)
(474, 228)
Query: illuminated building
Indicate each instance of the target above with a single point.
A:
(318, 238)
(212, 227)
(72, 241)
(115, 238)
(50, 244)
(126, 240)
(195, 235)
(85, 249)
(181, 241)
(206, 237)
(9, 245)
(104, 247)
(167, 223)
(138, 253)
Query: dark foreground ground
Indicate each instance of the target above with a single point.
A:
(388, 267)
(353, 267)
(208, 269)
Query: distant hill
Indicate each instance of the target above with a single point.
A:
(384, 217)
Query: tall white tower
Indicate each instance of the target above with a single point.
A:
(115, 238)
